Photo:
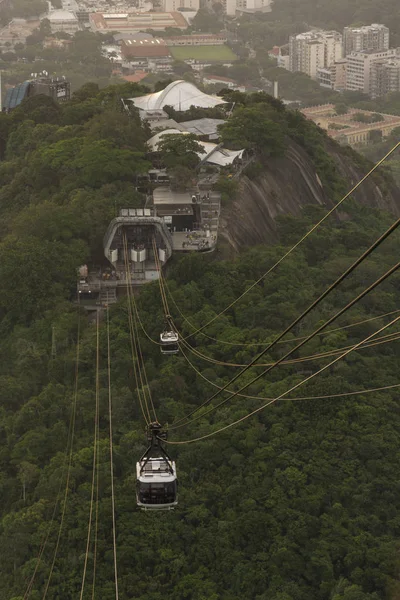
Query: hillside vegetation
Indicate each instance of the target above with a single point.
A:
(302, 501)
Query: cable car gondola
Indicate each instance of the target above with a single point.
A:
(156, 474)
(169, 342)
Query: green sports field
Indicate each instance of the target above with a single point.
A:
(211, 53)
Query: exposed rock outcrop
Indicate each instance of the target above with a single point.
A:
(287, 185)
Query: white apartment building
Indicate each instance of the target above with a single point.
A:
(359, 65)
(174, 5)
(314, 50)
(370, 37)
(229, 7)
(333, 77)
(385, 77)
(63, 20)
(251, 6)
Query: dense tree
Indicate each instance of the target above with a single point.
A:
(180, 150)
(253, 128)
(301, 501)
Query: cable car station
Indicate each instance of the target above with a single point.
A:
(173, 222)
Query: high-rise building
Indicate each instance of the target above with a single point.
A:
(174, 5)
(359, 66)
(385, 77)
(333, 77)
(252, 6)
(314, 50)
(370, 37)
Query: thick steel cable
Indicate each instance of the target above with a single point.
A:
(319, 355)
(159, 269)
(136, 341)
(94, 463)
(28, 590)
(249, 396)
(288, 341)
(292, 361)
(133, 310)
(43, 545)
(281, 396)
(135, 360)
(96, 517)
(313, 228)
(74, 404)
(312, 335)
(111, 458)
(322, 296)
(327, 291)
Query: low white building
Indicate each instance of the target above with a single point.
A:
(63, 20)
(226, 82)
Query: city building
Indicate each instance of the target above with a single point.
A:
(252, 6)
(133, 22)
(333, 77)
(345, 128)
(229, 7)
(173, 5)
(369, 37)
(225, 82)
(181, 95)
(63, 20)
(140, 238)
(206, 129)
(57, 88)
(314, 50)
(197, 39)
(385, 77)
(147, 48)
(281, 54)
(359, 66)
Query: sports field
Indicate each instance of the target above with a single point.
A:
(211, 53)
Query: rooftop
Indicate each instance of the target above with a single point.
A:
(61, 15)
(181, 95)
(212, 153)
(324, 115)
(164, 195)
(137, 21)
(204, 126)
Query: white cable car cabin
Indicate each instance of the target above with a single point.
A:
(169, 342)
(156, 474)
(156, 483)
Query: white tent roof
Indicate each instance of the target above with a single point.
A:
(219, 156)
(181, 95)
(212, 154)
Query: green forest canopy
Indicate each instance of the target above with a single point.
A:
(300, 502)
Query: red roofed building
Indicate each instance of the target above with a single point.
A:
(151, 48)
(131, 22)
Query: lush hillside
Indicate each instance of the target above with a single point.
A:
(300, 502)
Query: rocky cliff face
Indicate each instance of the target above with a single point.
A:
(290, 183)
